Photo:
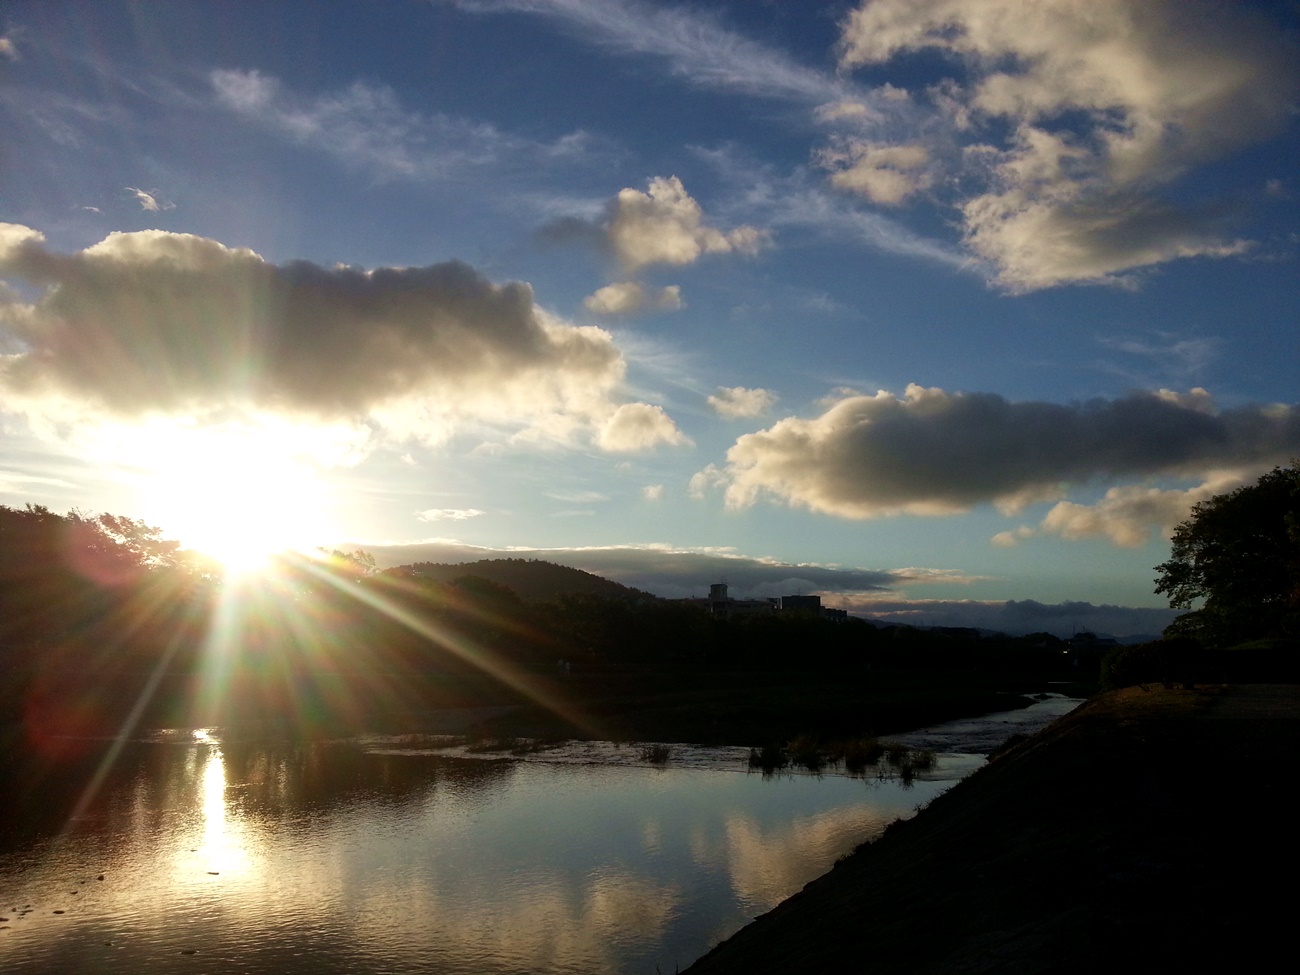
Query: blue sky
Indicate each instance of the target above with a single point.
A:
(947, 310)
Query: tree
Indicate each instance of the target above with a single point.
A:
(1240, 553)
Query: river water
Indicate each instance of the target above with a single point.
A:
(193, 851)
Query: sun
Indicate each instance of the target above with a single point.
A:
(237, 498)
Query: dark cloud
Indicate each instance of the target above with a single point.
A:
(662, 571)
(1017, 617)
(933, 452)
(156, 322)
(677, 574)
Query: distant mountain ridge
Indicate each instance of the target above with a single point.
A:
(531, 579)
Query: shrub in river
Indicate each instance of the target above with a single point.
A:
(922, 759)
(896, 753)
(807, 751)
(656, 754)
(857, 754)
(769, 758)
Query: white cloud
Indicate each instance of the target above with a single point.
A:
(1128, 515)
(154, 323)
(931, 452)
(8, 49)
(885, 174)
(639, 426)
(653, 492)
(448, 514)
(1105, 105)
(737, 401)
(630, 297)
(148, 200)
(665, 225)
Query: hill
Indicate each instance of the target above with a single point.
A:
(531, 579)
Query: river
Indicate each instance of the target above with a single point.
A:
(193, 851)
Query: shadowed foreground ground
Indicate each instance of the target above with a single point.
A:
(1150, 829)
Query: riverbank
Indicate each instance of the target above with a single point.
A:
(744, 708)
(1151, 826)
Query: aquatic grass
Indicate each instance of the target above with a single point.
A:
(486, 745)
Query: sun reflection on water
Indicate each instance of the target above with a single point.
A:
(221, 848)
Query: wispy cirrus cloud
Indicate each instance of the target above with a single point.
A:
(695, 44)
(366, 128)
(1177, 357)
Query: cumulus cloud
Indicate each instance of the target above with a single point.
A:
(639, 426)
(886, 174)
(931, 452)
(1127, 515)
(737, 401)
(8, 49)
(665, 225)
(653, 492)
(448, 514)
(155, 323)
(1104, 106)
(630, 297)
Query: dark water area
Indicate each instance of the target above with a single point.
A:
(198, 850)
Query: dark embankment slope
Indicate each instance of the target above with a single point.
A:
(1150, 830)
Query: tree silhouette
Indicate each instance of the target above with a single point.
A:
(1240, 553)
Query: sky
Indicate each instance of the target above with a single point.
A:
(946, 310)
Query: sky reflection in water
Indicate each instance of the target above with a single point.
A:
(329, 857)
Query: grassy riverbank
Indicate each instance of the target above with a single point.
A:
(1149, 830)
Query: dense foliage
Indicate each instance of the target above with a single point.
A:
(1239, 555)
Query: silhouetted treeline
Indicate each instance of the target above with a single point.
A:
(103, 622)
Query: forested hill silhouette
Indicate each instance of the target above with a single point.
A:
(530, 579)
